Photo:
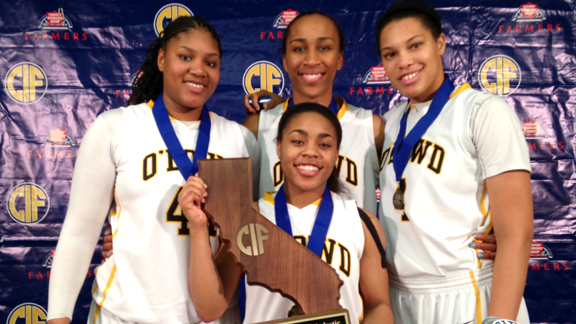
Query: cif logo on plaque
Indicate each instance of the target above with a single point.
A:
(27, 313)
(263, 75)
(500, 75)
(28, 203)
(257, 235)
(169, 12)
(26, 83)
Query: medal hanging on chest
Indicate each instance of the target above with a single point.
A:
(404, 145)
(186, 167)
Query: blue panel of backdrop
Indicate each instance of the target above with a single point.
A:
(60, 69)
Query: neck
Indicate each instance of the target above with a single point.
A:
(429, 95)
(180, 112)
(301, 199)
(323, 99)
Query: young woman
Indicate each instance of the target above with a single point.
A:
(128, 169)
(455, 163)
(313, 52)
(308, 142)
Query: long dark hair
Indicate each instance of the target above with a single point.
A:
(333, 183)
(308, 13)
(150, 83)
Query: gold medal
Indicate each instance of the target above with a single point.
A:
(398, 199)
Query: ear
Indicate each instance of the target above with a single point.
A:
(160, 60)
(441, 41)
(340, 60)
(279, 149)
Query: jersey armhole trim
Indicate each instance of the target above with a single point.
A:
(374, 234)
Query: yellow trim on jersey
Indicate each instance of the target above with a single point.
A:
(463, 87)
(96, 313)
(119, 214)
(108, 284)
(486, 212)
(362, 314)
(268, 198)
(343, 107)
(340, 100)
(478, 301)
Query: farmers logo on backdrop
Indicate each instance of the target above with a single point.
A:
(500, 74)
(541, 259)
(538, 139)
(125, 93)
(47, 263)
(281, 22)
(263, 75)
(538, 251)
(529, 19)
(375, 81)
(58, 138)
(27, 313)
(529, 12)
(26, 83)
(55, 26)
(28, 203)
(167, 14)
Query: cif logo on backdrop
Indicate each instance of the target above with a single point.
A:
(167, 14)
(257, 236)
(26, 83)
(55, 20)
(58, 138)
(27, 313)
(500, 74)
(285, 18)
(263, 75)
(528, 13)
(376, 75)
(28, 203)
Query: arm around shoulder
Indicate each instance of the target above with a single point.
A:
(379, 125)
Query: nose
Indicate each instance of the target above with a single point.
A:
(312, 57)
(197, 67)
(405, 59)
(310, 150)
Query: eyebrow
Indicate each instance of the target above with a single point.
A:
(195, 51)
(319, 38)
(303, 132)
(408, 41)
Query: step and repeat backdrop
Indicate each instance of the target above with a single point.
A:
(62, 63)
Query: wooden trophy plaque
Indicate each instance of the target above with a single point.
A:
(256, 244)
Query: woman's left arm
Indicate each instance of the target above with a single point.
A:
(510, 197)
(374, 278)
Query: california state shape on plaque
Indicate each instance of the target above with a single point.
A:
(265, 252)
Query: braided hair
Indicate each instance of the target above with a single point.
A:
(150, 82)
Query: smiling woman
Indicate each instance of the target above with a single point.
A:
(125, 172)
(308, 142)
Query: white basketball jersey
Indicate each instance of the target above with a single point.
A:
(145, 280)
(345, 243)
(445, 195)
(358, 161)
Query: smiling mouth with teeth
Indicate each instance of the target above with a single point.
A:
(195, 85)
(409, 76)
(307, 167)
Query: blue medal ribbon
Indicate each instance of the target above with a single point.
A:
(333, 105)
(186, 167)
(321, 224)
(404, 146)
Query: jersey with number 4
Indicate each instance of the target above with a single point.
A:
(145, 280)
(476, 136)
(357, 164)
